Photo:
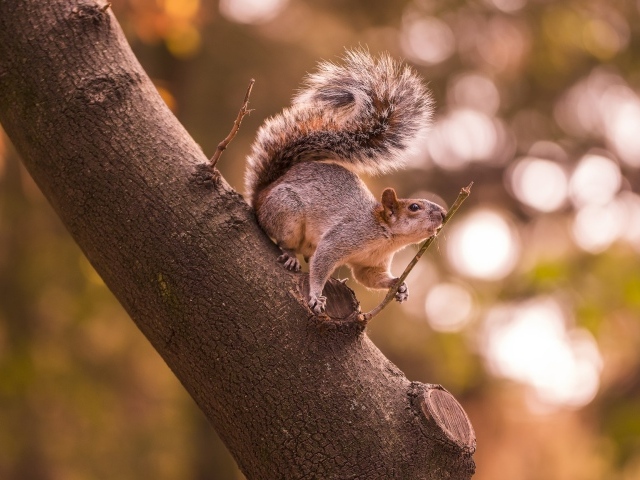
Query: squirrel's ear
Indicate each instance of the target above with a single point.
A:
(389, 203)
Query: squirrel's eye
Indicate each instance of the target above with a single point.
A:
(414, 207)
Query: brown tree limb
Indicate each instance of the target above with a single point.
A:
(292, 396)
(462, 196)
(234, 130)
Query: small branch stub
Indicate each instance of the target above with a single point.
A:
(462, 196)
(234, 130)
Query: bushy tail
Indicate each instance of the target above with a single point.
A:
(364, 114)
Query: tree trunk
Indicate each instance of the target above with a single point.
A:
(291, 395)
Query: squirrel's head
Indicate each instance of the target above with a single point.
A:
(413, 219)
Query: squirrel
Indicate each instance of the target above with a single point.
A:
(363, 116)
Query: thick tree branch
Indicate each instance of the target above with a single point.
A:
(291, 395)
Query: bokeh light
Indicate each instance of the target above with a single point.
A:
(508, 6)
(449, 307)
(605, 36)
(629, 202)
(183, 9)
(252, 11)
(426, 40)
(502, 45)
(596, 180)
(183, 40)
(475, 91)
(463, 136)
(531, 343)
(580, 111)
(603, 106)
(483, 245)
(595, 227)
(622, 122)
(539, 183)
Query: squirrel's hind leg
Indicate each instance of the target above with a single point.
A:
(280, 216)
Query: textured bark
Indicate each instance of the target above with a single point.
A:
(291, 395)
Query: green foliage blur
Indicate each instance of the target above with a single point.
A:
(527, 307)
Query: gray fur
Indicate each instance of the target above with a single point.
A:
(365, 114)
(362, 116)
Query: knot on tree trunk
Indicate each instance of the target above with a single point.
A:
(93, 14)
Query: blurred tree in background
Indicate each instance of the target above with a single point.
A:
(528, 310)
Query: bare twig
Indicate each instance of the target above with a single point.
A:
(234, 130)
(462, 196)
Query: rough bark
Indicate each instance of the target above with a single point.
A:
(291, 395)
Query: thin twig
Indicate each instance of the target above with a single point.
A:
(106, 7)
(234, 130)
(462, 196)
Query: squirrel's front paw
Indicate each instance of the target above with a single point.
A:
(403, 293)
(290, 262)
(317, 304)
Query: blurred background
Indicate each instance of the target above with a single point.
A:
(526, 308)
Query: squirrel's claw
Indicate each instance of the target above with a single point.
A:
(403, 293)
(317, 304)
(290, 262)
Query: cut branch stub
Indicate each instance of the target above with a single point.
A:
(343, 309)
(442, 410)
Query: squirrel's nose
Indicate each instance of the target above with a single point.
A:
(438, 214)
